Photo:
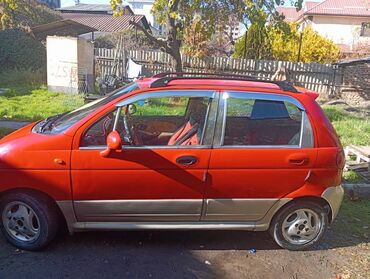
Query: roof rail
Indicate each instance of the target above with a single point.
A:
(199, 74)
(165, 78)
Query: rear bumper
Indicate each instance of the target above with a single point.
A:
(334, 196)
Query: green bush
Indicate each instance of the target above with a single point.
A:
(18, 50)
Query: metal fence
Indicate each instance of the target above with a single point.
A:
(314, 76)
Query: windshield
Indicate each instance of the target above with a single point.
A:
(62, 122)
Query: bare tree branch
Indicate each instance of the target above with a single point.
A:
(151, 38)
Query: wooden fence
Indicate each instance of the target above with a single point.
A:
(314, 76)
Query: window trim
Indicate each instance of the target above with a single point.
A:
(221, 120)
(211, 94)
(168, 93)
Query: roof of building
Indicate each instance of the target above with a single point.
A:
(60, 28)
(106, 23)
(92, 9)
(353, 8)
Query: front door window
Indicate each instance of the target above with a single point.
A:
(156, 121)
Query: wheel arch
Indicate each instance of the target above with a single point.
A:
(38, 194)
(318, 200)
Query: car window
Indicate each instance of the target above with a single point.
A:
(263, 122)
(157, 121)
(66, 120)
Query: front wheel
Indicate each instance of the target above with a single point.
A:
(29, 222)
(299, 226)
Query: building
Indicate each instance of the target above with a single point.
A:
(105, 23)
(345, 22)
(144, 7)
(101, 9)
(53, 4)
(100, 18)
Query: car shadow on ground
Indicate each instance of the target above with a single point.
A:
(139, 254)
(200, 240)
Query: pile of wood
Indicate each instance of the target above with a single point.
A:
(358, 159)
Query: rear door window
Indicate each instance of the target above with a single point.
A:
(264, 120)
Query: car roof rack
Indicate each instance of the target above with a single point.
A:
(200, 74)
(165, 78)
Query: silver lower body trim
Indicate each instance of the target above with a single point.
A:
(237, 209)
(138, 210)
(334, 196)
(82, 226)
(218, 214)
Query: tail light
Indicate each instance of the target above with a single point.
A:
(341, 159)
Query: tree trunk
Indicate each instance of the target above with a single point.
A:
(177, 61)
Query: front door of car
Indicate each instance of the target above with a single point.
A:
(161, 171)
(263, 151)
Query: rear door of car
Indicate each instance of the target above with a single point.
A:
(263, 150)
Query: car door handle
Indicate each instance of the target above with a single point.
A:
(298, 160)
(187, 160)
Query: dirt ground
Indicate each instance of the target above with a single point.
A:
(344, 253)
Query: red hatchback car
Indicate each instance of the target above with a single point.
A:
(177, 152)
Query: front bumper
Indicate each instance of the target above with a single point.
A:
(334, 196)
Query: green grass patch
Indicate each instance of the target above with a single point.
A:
(351, 177)
(29, 103)
(29, 77)
(351, 128)
(353, 219)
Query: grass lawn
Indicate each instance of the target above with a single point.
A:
(352, 128)
(34, 103)
(353, 219)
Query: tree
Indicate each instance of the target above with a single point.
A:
(179, 16)
(25, 14)
(131, 40)
(284, 45)
(314, 48)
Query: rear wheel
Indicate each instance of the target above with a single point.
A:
(299, 226)
(29, 222)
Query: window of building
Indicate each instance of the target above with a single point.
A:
(365, 29)
(137, 6)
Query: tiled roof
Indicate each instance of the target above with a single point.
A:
(352, 8)
(106, 23)
(290, 13)
(92, 8)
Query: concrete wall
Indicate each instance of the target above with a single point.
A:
(70, 64)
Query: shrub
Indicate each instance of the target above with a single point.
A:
(32, 78)
(18, 50)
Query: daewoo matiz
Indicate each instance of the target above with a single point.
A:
(177, 152)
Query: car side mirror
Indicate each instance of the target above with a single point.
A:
(114, 143)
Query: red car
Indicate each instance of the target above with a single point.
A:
(177, 152)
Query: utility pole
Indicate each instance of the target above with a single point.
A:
(300, 46)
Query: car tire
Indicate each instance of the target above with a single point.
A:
(299, 225)
(28, 221)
